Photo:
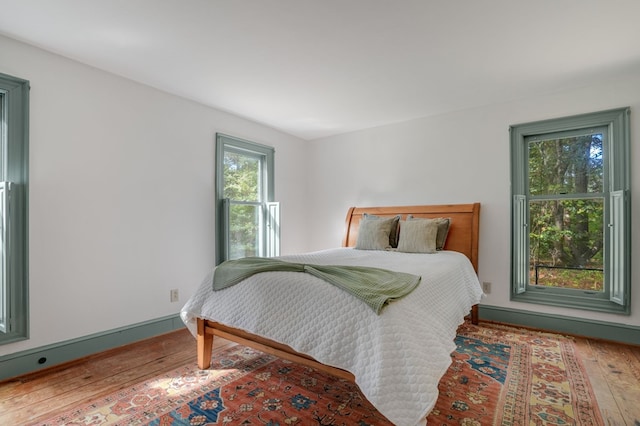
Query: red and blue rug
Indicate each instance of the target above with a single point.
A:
(499, 375)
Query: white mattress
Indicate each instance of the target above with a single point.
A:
(397, 357)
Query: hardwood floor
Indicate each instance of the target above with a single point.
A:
(614, 372)
(42, 395)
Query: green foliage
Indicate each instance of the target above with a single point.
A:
(244, 228)
(566, 221)
(582, 279)
(241, 177)
(242, 184)
(566, 166)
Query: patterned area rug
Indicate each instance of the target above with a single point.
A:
(510, 376)
(499, 375)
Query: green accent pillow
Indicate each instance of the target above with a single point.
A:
(394, 234)
(373, 234)
(443, 229)
(418, 236)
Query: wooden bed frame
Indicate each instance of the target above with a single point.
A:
(462, 237)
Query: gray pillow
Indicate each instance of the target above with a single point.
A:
(373, 234)
(395, 227)
(418, 236)
(443, 229)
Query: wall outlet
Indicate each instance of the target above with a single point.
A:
(486, 287)
(173, 294)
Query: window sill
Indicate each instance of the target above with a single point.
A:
(568, 301)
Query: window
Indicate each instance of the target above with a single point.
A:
(14, 130)
(247, 219)
(571, 212)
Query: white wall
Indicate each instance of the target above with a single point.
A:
(458, 158)
(121, 195)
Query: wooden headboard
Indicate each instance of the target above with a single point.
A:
(463, 233)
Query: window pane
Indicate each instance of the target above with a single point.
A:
(244, 224)
(241, 177)
(566, 165)
(566, 243)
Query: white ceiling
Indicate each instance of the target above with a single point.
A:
(314, 68)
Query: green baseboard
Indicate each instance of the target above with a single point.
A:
(32, 360)
(562, 324)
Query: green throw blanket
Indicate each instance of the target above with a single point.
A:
(374, 286)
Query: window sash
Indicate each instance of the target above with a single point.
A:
(268, 232)
(568, 134)
(228, 222)
(261, 160)
(604, 293)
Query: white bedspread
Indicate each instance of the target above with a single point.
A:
(397, 357)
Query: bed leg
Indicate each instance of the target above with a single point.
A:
(474, 315)
(205, 346)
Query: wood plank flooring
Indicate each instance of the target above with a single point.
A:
(613, 369)
(42, 395)
(614, 373)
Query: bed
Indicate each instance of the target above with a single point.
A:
(333, 333)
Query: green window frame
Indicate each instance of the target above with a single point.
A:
(614, 127)
(14, 157)
(266, 212)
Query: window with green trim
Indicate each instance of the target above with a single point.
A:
(14, 135)
(247, 218)
(570, 241)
